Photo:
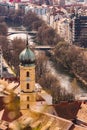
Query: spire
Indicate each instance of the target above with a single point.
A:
(27, 45)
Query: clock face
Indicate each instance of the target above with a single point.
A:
(28, 79)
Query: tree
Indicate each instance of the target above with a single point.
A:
(3, 11)
(37, 24)
(60, 94)
(83, 42)
(18, 17)
(2, 19)
(41, 66)
(17, 46)
(5, 47)
(29, 19)
(73, 58)
(47, 35)
(3, 29)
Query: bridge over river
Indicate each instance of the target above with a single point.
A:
(26, 32)
(43, 48)
(36, 47)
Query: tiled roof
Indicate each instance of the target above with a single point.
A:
(82, 113)
(3, 125)
(67, 110)
(9, 84)
(39, 98)
(43, 122)
(75, 127)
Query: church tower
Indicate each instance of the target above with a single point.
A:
(27, 79)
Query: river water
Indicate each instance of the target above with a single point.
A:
(66, 81)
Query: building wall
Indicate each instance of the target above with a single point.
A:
(63, 29)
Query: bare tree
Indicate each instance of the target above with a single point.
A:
(72, 57)
(3, 29)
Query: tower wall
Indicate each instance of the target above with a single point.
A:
(27, 100)
(24, 79)
(27, 86)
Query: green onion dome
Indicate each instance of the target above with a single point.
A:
(27, 57)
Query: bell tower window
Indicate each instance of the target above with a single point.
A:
(27, 106)
(27, 74)
(28, 86)
(28, 98)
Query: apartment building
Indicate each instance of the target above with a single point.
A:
(79, 29)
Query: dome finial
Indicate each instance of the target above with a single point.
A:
(27, 41)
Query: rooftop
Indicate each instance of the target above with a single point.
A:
(43, 121)
(82, 113)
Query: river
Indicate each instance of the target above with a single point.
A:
(66, 81)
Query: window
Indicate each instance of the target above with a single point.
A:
(27, 74)
(28, 86)
(27, 106)
(28, 98)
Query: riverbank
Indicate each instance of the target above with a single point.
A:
(67, 80)
(76, 81)
(73, 60)
(76, 75)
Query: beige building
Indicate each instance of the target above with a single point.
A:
(63, 29)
